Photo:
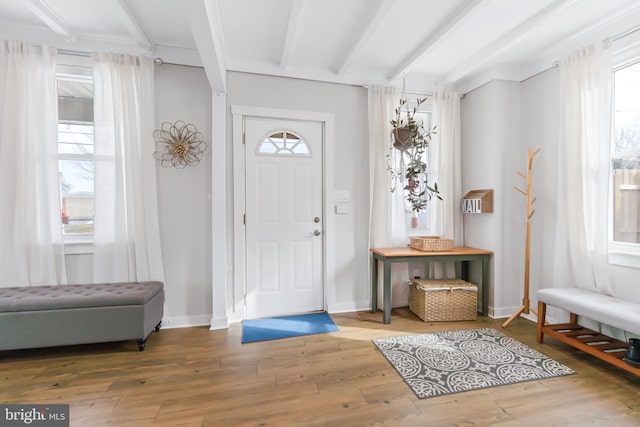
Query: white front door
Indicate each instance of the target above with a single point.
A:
(284, 224)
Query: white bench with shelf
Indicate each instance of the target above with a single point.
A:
(608, 310)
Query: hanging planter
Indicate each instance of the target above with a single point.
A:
(402, 138)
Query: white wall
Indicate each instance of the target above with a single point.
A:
(540, 112)
(181, 93)
(492, 154)
(350, 163)
(184, 199)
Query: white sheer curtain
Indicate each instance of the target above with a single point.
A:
(386, 222)
(126, 225)
(583, 169)
(446, 170)
(31, 247)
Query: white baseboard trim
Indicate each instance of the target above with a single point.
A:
(186, 321)
(505, 313)
(219, 323)
(223, 322)
(502, 312)
(349, 307)
(234, 318)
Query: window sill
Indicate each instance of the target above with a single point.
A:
(78, 247)
(624, 254)
(417, 232)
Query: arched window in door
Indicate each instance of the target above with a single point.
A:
(283, 143)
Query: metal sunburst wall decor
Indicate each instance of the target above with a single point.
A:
(178, 144)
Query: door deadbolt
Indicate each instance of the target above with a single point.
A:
(316, 219)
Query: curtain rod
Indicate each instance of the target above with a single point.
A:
(160, 61)
(554, 65)
(157, 61)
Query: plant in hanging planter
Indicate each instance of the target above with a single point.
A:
(411, 140)
(407, 131)
(417, 190)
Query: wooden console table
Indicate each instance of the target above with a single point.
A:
(459, 253)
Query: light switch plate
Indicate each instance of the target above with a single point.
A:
(342, 208)
(341, 196)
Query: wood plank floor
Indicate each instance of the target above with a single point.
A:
(197, 377)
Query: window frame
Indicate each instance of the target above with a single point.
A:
(427, 109)
(624, 254)
(272, 139)
(74, 243)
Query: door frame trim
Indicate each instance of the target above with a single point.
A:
(239, 113)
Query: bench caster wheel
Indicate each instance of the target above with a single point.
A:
(141, 344)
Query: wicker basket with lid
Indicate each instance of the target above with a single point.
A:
(439, 300)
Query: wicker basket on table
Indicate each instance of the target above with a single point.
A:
(439, 300)
(431, 243)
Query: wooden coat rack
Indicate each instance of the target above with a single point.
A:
(525, 307)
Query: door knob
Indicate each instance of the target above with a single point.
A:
(316, 233)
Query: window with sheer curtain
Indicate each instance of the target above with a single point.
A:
(418, 223)
(126, 242)
(76, 155)
(31, 247)
(625, 156)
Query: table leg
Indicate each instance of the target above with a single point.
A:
(464, 270)
(374, 284)
(386, 293)
(485, 285)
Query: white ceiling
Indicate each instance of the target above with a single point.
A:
(434, 43)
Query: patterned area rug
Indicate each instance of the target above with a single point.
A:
(451, 362)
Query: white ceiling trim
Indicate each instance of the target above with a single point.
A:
(448, 26)
(304, 73)
(131, 23)
(487, 55)
(191, 32)
(621, 21)
(372, 23)
(50, 17)
(505, 72)
(292, 31)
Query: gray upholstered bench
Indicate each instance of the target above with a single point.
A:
(604, 309)
(47, 316)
